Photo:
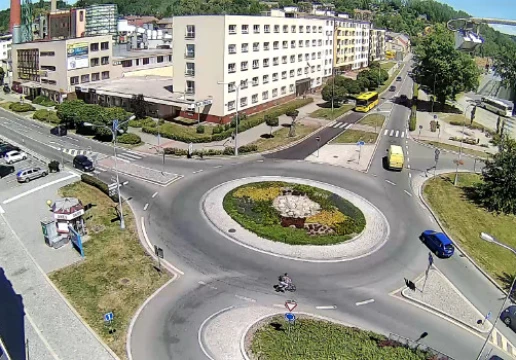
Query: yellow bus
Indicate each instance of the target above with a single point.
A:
(366, 101)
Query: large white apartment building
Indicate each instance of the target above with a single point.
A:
(266, 60)
(351, 44)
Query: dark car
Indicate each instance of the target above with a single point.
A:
(495, 357)
(392, 88)
(5, 148)
(59, 130)
(403, 100)
(508, 316)
(438, 243)
(82, 162)
(398, 78)
(6, 170)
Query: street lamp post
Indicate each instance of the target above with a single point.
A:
(114, 129)
(455, 181)
(491, 239)
(237, 87)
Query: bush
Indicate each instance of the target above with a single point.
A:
(200, 129)
(53, 166)
(99, 184)
(230, 150)
(19, 107)
(46, 116)
(176, 151)
(247, 148)
(218, 129)
(129, 138)
(44, 101)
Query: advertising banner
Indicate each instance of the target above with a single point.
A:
(77, 56)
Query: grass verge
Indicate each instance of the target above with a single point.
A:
(373, 120)
(317, 339)
(465, 150)
(464, 221)
(352, 136)
(387, 65)
(116, 273)
(389, 81)
(5, 105)
(325, 113)
(281, 137)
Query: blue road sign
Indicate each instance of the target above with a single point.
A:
(290, 317)
(360, 143)
(430, 259)
(109, 316)
(488, 316)
(115, 125)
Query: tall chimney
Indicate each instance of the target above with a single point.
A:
(15, 18)
(53, 6)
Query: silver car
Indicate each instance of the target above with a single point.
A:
(29, 174)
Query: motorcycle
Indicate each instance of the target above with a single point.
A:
(290, 287)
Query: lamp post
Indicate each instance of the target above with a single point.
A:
(237, 87)
(114, 129)
(491, 239)
(455, 181)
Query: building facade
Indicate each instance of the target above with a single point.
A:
(6, 41)
(101, 20)
(351, 44)
(266, 60)
(376, 45)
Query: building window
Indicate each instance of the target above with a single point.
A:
(291, 88)
(307, 43)
(256, 29)
(47, 53)
(231, 68)
(231, 105)
(283, 74)
(301, 28)
(293, 44)
(300, 57)
(231, 87)
(265, 95)
(95, 62)
(276, 29)
(284, 88)
(319, 29)
(307, 57)
(256, 81)
(299, 72)
(232, 49)
(293, 28)
(190, 51)
(274, 93)
(95, 77)
(245, 29)
(314, 28)
(256, 64)
(300, 43)
(292, 58)
(266, 29)
(232, 29)
(190, 87)
(312, 68)
(266, 46)
(275, 61)
(244, 84)
(94, 47)
(160, 59)
(313, 42)
(125, 63)
(85, 78)
(265, 62)
(285, 28)
(318, 54)
(292, 73)
(256, 46)
(244, 66)
(104, 45)
(265, 79)
(81, 16)
(275, 45)
(48, 67)
(105, 75)
(254, 98)
(105, 60)
(190, 32)
(308, 29)
(190, 68)
(245, 47)
(275, 77)
(285, 44)
(243, 101)
(74, 80)
(306, 70)
(145, 61)
(284, 59)
(170, 58)
(318, 67)
(319, 42)
(313, 56)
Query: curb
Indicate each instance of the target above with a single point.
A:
(200, 336)
(482, 271)
(445, 150)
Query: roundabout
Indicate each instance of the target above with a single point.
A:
(297, 219)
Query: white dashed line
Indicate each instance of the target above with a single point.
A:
(245, 298)
(145, 207)
(2, 211)
(201, 282)
(397, 132)
(386, 131)
(392, 133)
(408, 166)
(406, 192)
(125, 183)
(326, 307)
(389, 182)
(402, 134)
(409, 175)
(198, 171)
(408, 159)
(278, 305)
(364, 302)
(217, 167)
(154, 195)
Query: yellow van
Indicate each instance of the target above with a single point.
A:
(395, 158)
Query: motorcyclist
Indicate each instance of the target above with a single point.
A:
(284, 281)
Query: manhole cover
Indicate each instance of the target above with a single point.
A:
(125, 281)
(231, 230)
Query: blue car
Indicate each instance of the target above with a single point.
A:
(438, 243)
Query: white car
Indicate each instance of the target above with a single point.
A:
(14, 156)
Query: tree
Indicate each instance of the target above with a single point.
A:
(441, 69)
(497, 191)
(334, 92)
(505, 66)
(139, 106)
(293, 114)
(271, 121)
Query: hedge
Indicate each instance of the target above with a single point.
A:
(223, 132)
(138, 123)
(129, 138)
(99, 184)
(44, 101)
(19, 107)
(213, 152)
(46, 116)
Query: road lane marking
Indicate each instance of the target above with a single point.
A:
(408, 167)
(125, 183)
(431, 218)
(279, 305)
(154, 195)
(326, 307)
(397, 132)
(146, 207)
(392, 132)
(131, 156)
(408, 159)
(390, 182)
(385, 132)
(217, 167)
(201, 330)
(406, 192)
(2, 211)
(19, 196)
(197, 171)
(202, 282)
(402, 134)
(245, 298)
(360, 303)
(409, 175)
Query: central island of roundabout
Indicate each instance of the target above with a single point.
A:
(296, 218)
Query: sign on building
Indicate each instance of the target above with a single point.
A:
(77, 56)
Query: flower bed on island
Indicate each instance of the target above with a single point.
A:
(294, 214)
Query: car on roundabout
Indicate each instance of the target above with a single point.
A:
(438, 243)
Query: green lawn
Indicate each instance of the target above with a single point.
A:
(465, 221)
(389, 81)
(281, 137)
(444, 146)
(5, 105)
(316, 340)
(325, 113)
(116, 274)
(352, 136)
(387, 65)
(373, 120)
(459, 120)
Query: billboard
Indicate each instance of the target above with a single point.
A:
(77, 56)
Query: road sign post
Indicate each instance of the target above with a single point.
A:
(159, 254)
(420, 128)
(437, 153)
(108, 319)
(318, 139)
(360, 144)
(290, 305)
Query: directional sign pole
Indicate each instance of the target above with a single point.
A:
(437, 153)
(318, 139)
(420, 128)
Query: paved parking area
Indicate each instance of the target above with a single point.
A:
(9, 181)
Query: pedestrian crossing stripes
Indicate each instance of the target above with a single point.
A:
(501, 342)
(129, 156)
(75, 152)
(341, 125)
(394, 133)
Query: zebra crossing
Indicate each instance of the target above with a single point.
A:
(394, 133)
(341, 125)
(75, 152)
(129, 155)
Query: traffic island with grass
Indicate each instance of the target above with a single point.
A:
(456, 148)
(309, 338)
(294, 214)
(281, 138)
(373, 120)
(116, 274)
(325, 111)
(353, 136)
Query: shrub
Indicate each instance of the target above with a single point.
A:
(247, 148)
(46, 116)
(53, 166)
(218, 129)
(230, 150)
(99, 184)
(136, 123)
(44, 101)
(200, 129)
(129, 138)
(19, 107)
(176, 151)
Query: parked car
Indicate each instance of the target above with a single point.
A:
(399, 78)
(392, 88)
(5, 148)
(82, 162)
(438, 243)
(508, 316)
(14, 156)
(495, 357)
(29, 174)
(6, 170)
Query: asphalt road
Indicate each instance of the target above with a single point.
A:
(168, 329)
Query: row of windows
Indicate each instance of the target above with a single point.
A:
(244, 29)
(103, 61)
(86, 78)
(103, 46)
(144, 61)
(244, 48)
(255, 81)
(244, 65)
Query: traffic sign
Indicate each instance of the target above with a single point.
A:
(437, 153)
(109, 316)
(158, 251)
(290, 305)
(488, 316)
(115, 125)
(420, 127)
(290, 317)
(360, 143)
